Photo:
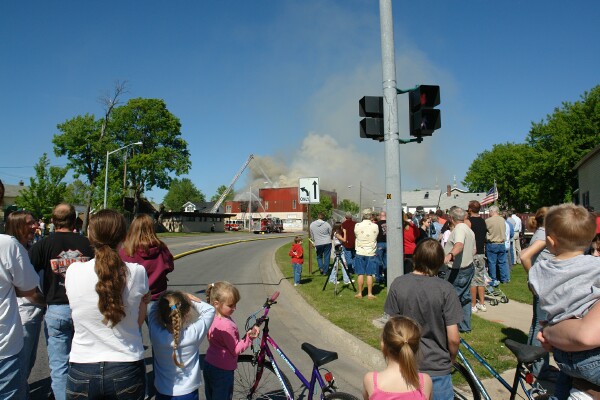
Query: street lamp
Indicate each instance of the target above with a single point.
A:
(359, 196)
(108, 153)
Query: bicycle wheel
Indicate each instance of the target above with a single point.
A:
(269, 386)
(464, 391)
(340, 396)
(544, 396)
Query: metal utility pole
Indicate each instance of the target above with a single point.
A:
(395, 251)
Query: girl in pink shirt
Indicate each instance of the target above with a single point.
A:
(401, 379)
(224, 344)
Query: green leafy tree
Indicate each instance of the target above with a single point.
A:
(76, 192)
(180, 192)
(163, 151)
(84, 140)
(507, 164)
(45, 190)
(348, 205)
(220, 190)
(560, 143)
(325, 206)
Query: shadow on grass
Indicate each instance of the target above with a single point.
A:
(514, 334)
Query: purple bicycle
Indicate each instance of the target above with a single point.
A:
(259, 378)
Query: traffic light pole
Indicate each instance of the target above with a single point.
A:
(395, 240)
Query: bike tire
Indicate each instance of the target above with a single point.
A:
(269, 386)
(468, 391)
(340, 396)
(544, 396)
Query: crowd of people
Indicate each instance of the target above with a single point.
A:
(472, 253)
(93, 295)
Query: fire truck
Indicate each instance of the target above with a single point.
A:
(267, 225)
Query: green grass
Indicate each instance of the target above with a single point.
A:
(355, 316)
(517, 288)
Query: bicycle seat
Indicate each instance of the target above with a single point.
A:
(319, 356)
(524, 352)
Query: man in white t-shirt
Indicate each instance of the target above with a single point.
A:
(17, 278)
(518, 224)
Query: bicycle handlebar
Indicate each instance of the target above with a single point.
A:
(268, 303)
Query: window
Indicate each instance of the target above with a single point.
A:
(266, 205)
(293, 204)
(585, 199)
(228, 209)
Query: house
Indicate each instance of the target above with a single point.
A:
(588, 192)
(10, 194)
(432, 199)
(200, 207)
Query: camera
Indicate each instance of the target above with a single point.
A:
(338, 249)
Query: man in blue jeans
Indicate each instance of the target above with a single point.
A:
(320, 231)
(459, 250)
(53, 255)
(495, 249)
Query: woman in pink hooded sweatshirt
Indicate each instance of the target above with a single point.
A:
(143, 247)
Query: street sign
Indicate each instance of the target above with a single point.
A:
(308, 191)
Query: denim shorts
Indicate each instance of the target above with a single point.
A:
(365, 265)
(108, 380)
(580, 364)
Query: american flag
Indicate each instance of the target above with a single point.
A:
(491, 196)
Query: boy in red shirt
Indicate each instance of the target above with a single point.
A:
(297, 254)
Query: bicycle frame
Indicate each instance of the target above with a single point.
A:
(265, 351)
(528, 392)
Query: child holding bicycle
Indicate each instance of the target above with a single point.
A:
(178, 323)
(568, 284)
(401, 379)
(224, 344)
(297, 254)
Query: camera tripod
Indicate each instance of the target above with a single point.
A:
(338, 260)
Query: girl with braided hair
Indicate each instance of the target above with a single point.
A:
(108, 300)
(178, 323)
(401, 379)
(224, 343)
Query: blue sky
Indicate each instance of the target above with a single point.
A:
(282, 79)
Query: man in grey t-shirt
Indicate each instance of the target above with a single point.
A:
(320, 232)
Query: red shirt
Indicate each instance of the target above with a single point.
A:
(411, 233)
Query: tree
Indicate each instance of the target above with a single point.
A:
(325, 206)
(349, 205)
(84, 141)
(507, 165)
(76, 192)
(180, 192)
(163, 150)
(220, 190)
(45, 190)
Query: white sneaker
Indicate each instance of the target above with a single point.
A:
(481, 307)
(474, 310)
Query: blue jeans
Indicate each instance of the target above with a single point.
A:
(496, 255)
(323, 257)
(461, 280)
(349, 255)
(59, 335)
(442, 387)
(218, 383)
(10, 380)
(580, 364)
(190, 396)
(381, 255)
(337, 265)
(297, 272)
(541, 366)
(106, 380)
(31, 336)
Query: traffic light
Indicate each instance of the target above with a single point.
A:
(371, 127)
(424, 118)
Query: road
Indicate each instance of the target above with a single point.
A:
(248, 265)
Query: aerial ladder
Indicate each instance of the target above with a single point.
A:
(226, 192)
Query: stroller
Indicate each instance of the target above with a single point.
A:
(494, 293)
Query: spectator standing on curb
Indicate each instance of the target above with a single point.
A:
(495, 250)
(478, 283)
(349, 249)
(320, 231)
(53, 255)
(382, 248)
(518, 224)
(510, 232)
(459, 250)
(365, 261)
